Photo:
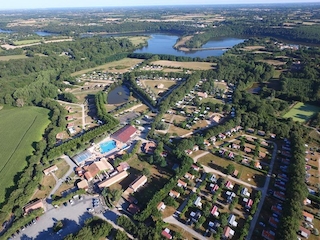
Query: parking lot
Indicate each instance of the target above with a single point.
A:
(73, 217)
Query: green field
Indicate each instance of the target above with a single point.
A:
(19, 128)
(302, 112)
(7, 58)
(25, 42)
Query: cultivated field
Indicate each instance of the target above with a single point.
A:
(7, 58)
(302, 112)
(189, 65)
(19, 128)
(122, 65)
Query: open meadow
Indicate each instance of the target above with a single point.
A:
(7, 58)
(137, 40)
(25, 42)
(122, 66)
(302, 112)
(189, 65)
(19, 129)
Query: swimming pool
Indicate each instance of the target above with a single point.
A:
(108, 146)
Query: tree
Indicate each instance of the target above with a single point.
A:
(57, 226)
(146, 171)
(230, 168)
(120, 235)
(224, 219)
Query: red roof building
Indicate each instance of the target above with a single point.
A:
(269, 235)
(124, 134)
(249, 203)
(166, 233)
(214, 211)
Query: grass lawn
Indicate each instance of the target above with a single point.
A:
(189, 65)
(25, 42)
(19, 128)
(63, 168)
(7, 58)
(213, 100)
(153, 83)
(246, 174)
(122, 65)
(47, 184)
(302, 112)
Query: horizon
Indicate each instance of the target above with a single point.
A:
(60, 4)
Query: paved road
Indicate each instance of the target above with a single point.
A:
(174, 221)
(264, 191)
(82, 110)
(195, 159)
(61, 180)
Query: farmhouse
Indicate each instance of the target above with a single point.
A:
(112, 180)
(124, 134)
(195, 148)
(139, 182)
(149, 147)
(33, 206)
(49, 170)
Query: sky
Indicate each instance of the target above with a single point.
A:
(29, 4)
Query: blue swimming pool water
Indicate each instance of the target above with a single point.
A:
(108, 146)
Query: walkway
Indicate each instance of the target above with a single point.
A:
(174, 221)
(82, 110)
(264, 192)
(61, 180)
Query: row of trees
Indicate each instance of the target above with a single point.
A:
(296, 191)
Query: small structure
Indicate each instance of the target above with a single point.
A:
(257, 165)
(307, 216)
(262, 154)
(189, 176)
(215, 188)
(232, 220)
(133, 208)
(139, 182)
(249, 204)
(247, 150)
(195, 167)
(112, 180)
(161, 206)
(123, 166)
(235, 173)
(279, 195)
(250, 130)
(181, 183)
(160, 86)
(195, 216)
(228, 232)
(80, 158)
(195, 148)
(83, 184)
(188, 151)
(245, 192)
(229, 185)
(198, 202)
(273, 222)
(304, 232)
(235, 146)
(166, 233)
(202, 94)
(49, 170)
(149, 147)
(33, 206)
(261, 133)
(214, 211)
(213, 178)
(174, 194)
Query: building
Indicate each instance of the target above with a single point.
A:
(228, 233)
(307, 216)
(124, 134)
(82, 157)
(195, 216)
(83, 184)
(49, 170)
(112, 180)
(261, 133)
(273, 222)
(249, 204)
(276, 209)
(174, 194)
(161, 206)
(181, 183)
(279, 195)
(202, 94)
(250, 130)
(133, 208)
(235, 173)
(160, 86)
(195, 148)
(139, 182)
(149, 147)
(257, 165)
(33, 206)
(123, 166)
(189, 176)
(188, 151)
(232, 220)
(195, 167)
(96, 167)
(304, 232)
(262, 154)
(247, 150)
(215, 188)
(166, 233)
(214, 211)
(269, 235)
(198, 202)
(229, 185)
(245, 192)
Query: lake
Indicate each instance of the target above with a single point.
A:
(5, 31)
(118, 95)
(163, 44)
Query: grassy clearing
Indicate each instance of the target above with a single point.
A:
(24, 42)
(273, 62)
(212, 100)
(189, 65)
(122, 65)
(302, 112)
(47, 184)
(252, 48)
(246, 174)
(7, 58)
(19, 128)
(137, 40)
(154, 83)
(63, 168)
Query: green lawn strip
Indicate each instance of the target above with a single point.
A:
(302, 112)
